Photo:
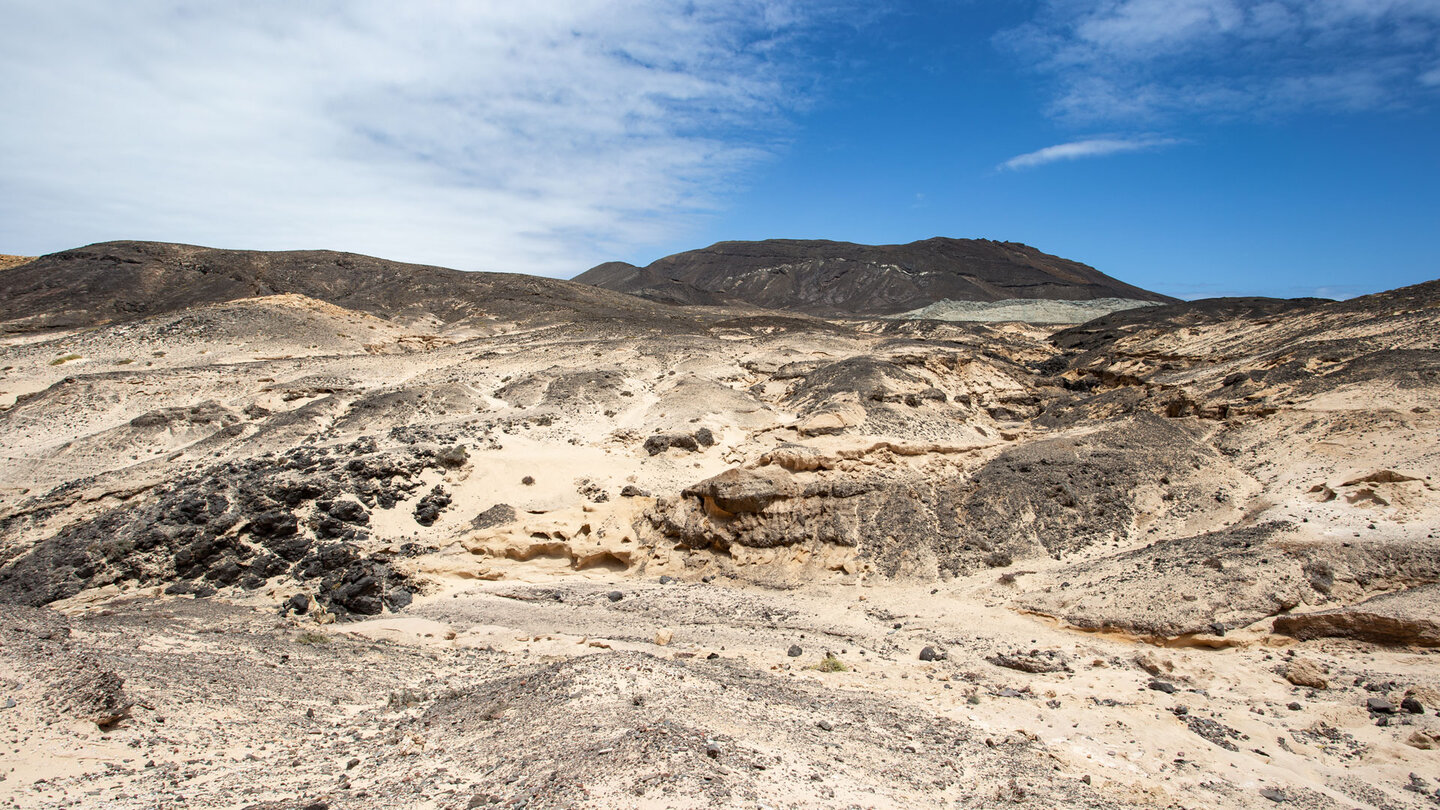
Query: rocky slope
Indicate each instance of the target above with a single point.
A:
(1182, 556)
(842, 279)
(114, 282)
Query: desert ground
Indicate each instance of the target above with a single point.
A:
(561, 550)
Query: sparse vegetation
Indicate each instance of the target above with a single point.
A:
(830, 664)
(124, 361)
(312, 638)
(64, 358)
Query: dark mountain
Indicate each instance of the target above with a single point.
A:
(119, 281)
(841, 278)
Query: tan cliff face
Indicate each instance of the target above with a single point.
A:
(504, 540)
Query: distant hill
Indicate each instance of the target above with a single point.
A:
(1104, 330)
(7, 261)
(118, 281)
(842, 278)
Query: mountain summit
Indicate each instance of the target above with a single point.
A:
(843, 278)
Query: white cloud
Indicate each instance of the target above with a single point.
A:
(1094, 147)
(1147, 60)
(537, 137)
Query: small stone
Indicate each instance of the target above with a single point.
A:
(931, 654)
(1411, 705)
(453, 456)
(667, 580)
(712, 750)
(1273, 794)
(1294, 707)
(1379, 706)
(1304, 672)
(1163, 686)
(1424, 740)
(826, 725)
(795, 651)
(663, 637)
(352, 763)
(614, 596)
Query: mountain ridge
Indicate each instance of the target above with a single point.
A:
(829, 278)
(111, 282)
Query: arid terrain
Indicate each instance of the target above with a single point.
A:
(314, 530)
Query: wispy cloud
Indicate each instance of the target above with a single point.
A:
(1148, 60)
(485, 135)
(1094, 147)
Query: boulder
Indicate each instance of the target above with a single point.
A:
(739, 491)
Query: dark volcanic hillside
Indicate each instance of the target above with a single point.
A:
(120, 281)
(842, 278)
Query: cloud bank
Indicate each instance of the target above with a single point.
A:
(1094, 147)
(1149, 60)
(535, 137)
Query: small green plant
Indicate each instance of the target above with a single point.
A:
(830, 664)
(64, 358)
(124, 361)
(311, 637)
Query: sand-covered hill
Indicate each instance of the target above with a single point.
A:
(298, 543)
(1024, 310)
(7, 262)
(844, 279)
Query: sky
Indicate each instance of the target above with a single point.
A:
(1193, 147)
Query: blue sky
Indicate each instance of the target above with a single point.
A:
(1194, 147)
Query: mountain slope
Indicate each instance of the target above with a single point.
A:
(121, 281)
(842, 278)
